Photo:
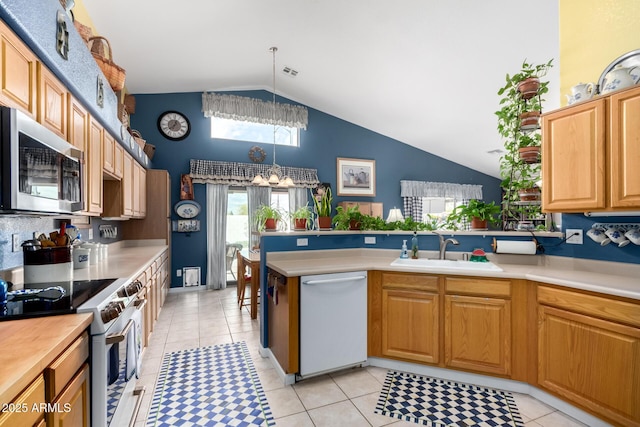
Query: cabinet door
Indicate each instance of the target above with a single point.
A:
(127, 184)
(143, 191)
(573, 158)
(377, 209)
(94, 168)
(78, 124)
(108, 153)
(410, 325)
(52, 102)
(118, 160)
(624, 118)
(591, 362)
(18, 73)
(135, 188)
(73, 403)
(477, 334)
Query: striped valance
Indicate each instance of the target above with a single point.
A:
(440, 189)
(241, 174)
(254, 110)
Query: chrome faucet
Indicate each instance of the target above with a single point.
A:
(443, 245)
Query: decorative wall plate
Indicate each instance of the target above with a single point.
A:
(257, 154)
(187, 208)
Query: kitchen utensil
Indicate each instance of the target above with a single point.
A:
(52, 293)
(581, 92)
(617, 236)
(597, 235)
(620, 78)
(629, 59)
(633, 235)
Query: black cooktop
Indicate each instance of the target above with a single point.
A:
(50, 299)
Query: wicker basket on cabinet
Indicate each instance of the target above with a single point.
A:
(115, 74)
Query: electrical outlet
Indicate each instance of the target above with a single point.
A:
(90, 234)
(574, 236)
(15, 243)
(179, 272)
(302, 242)
(369, 240)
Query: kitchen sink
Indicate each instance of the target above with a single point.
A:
(446, 264)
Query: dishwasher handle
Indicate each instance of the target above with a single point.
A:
(339, 280)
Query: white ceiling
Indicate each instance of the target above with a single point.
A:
(423, 72)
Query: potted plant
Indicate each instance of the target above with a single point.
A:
(347, 219)
(267, 217)
(301, 217)
(477, 212)
(518, 125)
(322, 202)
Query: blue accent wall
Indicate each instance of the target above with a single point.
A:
(325, 139)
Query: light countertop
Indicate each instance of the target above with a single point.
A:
(619, 279)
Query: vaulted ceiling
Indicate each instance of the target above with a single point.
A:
(423, 72)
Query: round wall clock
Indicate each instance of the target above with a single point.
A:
(174, 125)
(187, 209)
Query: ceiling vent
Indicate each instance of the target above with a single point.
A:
(290, 71)
(496, 151)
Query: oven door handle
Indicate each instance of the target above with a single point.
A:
(119, 337)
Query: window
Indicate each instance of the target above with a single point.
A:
(253, 132)
(437, 208)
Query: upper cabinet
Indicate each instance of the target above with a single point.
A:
(52, 102)
(590, 153)
(77, 124)
(18, 73)
(93, 169)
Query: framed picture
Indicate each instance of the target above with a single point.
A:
(185, 225)
(356, 177)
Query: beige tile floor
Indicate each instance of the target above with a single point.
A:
(202, 318)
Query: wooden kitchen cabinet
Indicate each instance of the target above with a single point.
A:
(139, 195)
(118, 161)
(283, 325)
(588, 351)
(77, 125)
(22, 413)
(18, 73)
(590, 155)
(74, 403)
(52, 102)
(108, 155)
(118, 194)
(366, 208)
(410, 317)
(93, 168)
(477, 324)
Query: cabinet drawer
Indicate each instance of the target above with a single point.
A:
(60, 372)
(20, 412)
(475, 286)
(604, 308)
(410, 281)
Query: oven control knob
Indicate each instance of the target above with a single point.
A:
(109, 313)
(122, 292)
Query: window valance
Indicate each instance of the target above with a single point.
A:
(241, 174)
(440, 189)
(254, 110)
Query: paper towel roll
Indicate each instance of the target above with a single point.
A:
(514, 247)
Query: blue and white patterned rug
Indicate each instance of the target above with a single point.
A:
(437, 403)
(209, 386)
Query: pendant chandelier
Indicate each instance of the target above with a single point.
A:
(274, 173)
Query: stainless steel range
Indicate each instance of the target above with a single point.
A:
(116, 337)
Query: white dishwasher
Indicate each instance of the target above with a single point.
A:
(333, 322)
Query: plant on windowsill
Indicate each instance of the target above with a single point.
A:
(302, 217)
(520, 108)
(322, 203)
(267, 217)
(478, 213)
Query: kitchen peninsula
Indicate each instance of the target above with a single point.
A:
(543, 325)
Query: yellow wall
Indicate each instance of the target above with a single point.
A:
(593, 33)
(80, 13)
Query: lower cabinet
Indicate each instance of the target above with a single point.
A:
(20, 411)
(410, 317)
(71, 408)
(477, 325)
(589, 352)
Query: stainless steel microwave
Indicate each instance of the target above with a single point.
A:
(41, 172)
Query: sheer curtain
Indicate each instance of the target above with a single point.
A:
(298, 197)
(256, 196)
(216, 235)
